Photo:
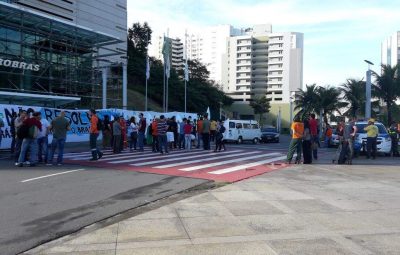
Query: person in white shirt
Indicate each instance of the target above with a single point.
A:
(43, 141)
(133, 133)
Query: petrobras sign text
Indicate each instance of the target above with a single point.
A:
(19, 65)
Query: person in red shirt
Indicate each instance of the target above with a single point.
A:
(187, 130)
(94, 133)
(313, 123)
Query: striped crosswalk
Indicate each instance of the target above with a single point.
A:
(231, 165)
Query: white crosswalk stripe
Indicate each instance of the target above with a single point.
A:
(193, 168)
(140, 158)
(236, 168)
(174, 159)
(213, 157)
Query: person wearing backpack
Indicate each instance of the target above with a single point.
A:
(59, 126)
(30, 129)
(94, 133)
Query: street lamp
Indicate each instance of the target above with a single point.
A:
(368, 91)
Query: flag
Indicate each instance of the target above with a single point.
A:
(208, 113)
(147, 68)
(167, 67)
(186, 71)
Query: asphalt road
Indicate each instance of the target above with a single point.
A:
(42, 203)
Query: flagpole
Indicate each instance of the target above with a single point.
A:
(164, 79)
(145, 107)
(185, 95)
(185, 66)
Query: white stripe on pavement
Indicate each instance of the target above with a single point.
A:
(214, 157)
(50, 175)
(155, 156)
(228, 161)
(236, 168)
(175, 159)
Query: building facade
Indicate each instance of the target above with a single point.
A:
(176, 49)
(391, 50)
(76, 49)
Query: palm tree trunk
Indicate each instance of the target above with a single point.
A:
(389, 112)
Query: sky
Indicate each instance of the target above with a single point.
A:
(338, 35)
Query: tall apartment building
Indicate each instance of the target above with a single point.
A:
(391, 50)
(176, 49)
(73, 43)
(262, 63)
(209, 45)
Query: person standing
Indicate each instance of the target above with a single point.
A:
(206, 133)
(219, 137)
(187, 131)
(173, 127)
(117, 135)
(306, 144)
(1, 127)
(94, 133)
(107, 132)
(155, 144)
(297, 129)
(43, 141)
(59, 126)
(314, 135)
(133, 133)
(13, 132)
(31, 127)
(162, 128)
(141, 131)
(372, 135)
(394, 132)
(349, 135)
(213, 130)
(328, 136)
(124, 133)
(340, 133)
(18, 140)
(199, 129)
(181, 132)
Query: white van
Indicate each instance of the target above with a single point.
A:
(242, 130)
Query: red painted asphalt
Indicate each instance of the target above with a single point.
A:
(229, 166)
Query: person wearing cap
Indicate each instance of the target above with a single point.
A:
(372, 135)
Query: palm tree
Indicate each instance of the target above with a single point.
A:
(353, 92)
(387, 87)
(329, 101)
(306, 100)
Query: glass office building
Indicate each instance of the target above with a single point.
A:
(49, 61)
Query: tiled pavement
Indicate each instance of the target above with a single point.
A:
(317, 209)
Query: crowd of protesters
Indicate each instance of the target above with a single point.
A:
(306, 140)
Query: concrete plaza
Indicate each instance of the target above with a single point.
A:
(303, 209)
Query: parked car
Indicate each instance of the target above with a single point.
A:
(242, 130)
(334, 139)
(384, 142)
(269, 134)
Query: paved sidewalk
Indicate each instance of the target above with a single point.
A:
(317, 209)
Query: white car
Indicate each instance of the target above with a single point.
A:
(384, 142)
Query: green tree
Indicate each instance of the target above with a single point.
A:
(387, 87)
(353, 92)
(328, 101)
(260, 106)
(306, 101)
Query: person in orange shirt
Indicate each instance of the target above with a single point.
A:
(297, 130)
(155, 147)
(199, 129)
(94, 133)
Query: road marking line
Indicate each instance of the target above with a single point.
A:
(154, 156)
(236, 168)
(50, 175)
(175, 159)
(213, 157)
(192, 168)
